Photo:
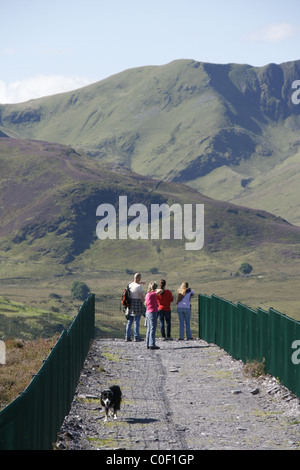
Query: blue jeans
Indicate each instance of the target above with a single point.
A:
(151, 318)
(164, 315)
(136, 328)
(184, 318)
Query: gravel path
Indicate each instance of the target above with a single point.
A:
(188, 395)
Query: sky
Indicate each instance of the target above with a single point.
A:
(53, 46)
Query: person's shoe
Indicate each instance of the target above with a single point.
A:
(137, 340)
(154, 347)
(128, 340)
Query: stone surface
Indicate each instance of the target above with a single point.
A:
(188, 395)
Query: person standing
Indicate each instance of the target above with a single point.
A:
(136, 309)
(164, 299)
(184, 310)
(151, 315)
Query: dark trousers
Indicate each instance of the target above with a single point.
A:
(165, 316)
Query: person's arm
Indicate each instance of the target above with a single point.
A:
(142, 297)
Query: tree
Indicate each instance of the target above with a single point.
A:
(79, 290)
(245, 268)
(154, 270)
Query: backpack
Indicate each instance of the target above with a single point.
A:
(125, 301)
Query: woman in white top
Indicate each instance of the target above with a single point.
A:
(136, 308)
(184, 309)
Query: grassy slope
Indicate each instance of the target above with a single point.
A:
(49, 199)
(273, 187)
(181, 120)
(157, 120)
(23, 360)
(131, 118)
(50, 193)
(19, 320)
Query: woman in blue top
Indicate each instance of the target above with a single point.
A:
(184, 309)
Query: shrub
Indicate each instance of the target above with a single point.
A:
(53, 295)
(129, 271)
(79, 290)
(245, 268)
(255, 368)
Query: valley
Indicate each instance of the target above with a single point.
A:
(225, 136)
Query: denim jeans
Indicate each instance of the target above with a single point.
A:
(184, 318)
(136, 328)
(164, 315)
(151, 318)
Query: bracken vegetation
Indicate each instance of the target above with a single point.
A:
(23, 360)
(255, 368)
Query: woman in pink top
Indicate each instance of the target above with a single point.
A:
(151, 315)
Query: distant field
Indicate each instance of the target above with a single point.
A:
(29, 308)
(18, 320)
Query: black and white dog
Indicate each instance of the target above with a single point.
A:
(111, 400)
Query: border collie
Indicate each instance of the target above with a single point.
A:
(111, 400)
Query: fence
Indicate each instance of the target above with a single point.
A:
(33, 419)
(249, 335)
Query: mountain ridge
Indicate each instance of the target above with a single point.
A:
(49, 194)
(184, 121)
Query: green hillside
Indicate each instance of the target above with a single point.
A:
(270, 185)
(49, 194)
(186, 121)
(230, 133)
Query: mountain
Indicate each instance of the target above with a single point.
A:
(230, 131)
(49, 194)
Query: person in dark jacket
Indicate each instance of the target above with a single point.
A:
(164, 299)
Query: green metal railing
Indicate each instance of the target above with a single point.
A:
(32, 421)
(247, 334)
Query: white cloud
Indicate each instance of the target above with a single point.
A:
(2, 92)
(39, 86)
(8, 51)
(273, 32)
